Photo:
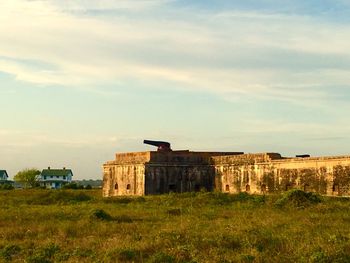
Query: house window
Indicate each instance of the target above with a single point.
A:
(64, 178)
(227, 188)
(51, 176)
(57, 176)
(45, 177)
(128, 187)
(116, 186)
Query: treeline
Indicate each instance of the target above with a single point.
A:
(76, 186)
(92, 183)
(83, 184)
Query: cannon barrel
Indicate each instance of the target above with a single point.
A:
(303, 156)
(162, 146)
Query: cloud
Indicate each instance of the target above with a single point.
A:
(262, 55)
(19, 139)
(85, 5)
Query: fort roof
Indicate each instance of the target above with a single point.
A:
(318, 158)
(181, 156)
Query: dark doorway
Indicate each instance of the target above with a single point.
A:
(197, 187)
(172, 187)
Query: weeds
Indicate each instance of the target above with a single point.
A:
(6, 187)
(174, 212)
(298, 199)
(80, 226)
(101, 215)
(59, 197)
(128, 255)
(9, 251)
(161, 257)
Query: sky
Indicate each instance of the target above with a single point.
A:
(82, 80)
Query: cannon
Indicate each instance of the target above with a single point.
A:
(303, 156)
(162, 146)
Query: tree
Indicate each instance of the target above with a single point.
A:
(28, 177)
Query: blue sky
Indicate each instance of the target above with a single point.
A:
(81, 80)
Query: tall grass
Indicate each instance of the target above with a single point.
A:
(81, 226)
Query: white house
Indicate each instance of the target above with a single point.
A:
(55, 178)
(3, 176)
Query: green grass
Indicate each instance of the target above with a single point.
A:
(81, 226)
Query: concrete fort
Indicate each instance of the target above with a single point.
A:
(158, 172)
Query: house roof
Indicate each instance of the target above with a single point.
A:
(56, 172)
(2, 173)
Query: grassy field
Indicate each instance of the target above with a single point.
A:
(81, 226)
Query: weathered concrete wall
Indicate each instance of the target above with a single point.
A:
(125, 175)
(159, 172)
(325, 175)
(178, 178)
(182, 171)
(124, 180)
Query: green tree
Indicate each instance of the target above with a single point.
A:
(28, 177)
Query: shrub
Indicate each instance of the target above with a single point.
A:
(9, 251)
(70, 186)
(84, 253)
(6, 187)
(118, 200)
(58, 197)
(247, 258)
(319, 256)
(225, 199)
(174, 212)
(124, 200)
(161, 257)
(128, 255)
(44, 254)
(230, 242)
(123, 219)
(101, 215)
(298, 199)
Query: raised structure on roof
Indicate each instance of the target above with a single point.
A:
(158, 172)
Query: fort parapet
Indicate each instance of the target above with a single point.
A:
(154, 172)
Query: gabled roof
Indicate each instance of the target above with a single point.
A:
(56, 172)
(3, 173)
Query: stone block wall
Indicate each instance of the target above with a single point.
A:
(183, 171)
(159, 172)
(124, 180)
(161, 179)
(326, 175)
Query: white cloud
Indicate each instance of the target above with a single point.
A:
(17, 140)
(231, 54)
(81, 5)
